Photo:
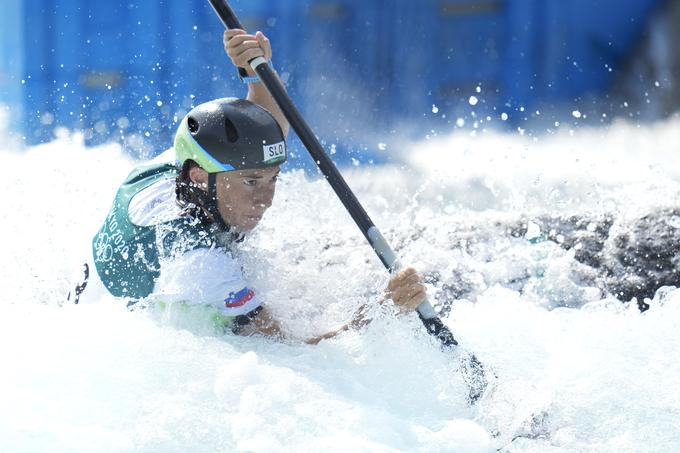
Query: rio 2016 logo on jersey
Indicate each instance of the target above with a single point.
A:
(275, 152)
(239, 299)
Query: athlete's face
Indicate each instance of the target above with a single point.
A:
(243, 196)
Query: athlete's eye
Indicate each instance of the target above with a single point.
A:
(250, 182)
(275, 178)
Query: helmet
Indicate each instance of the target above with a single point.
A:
(230, 134)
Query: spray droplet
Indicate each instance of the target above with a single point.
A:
(382, 146)
(576, 114)
(504, 116)
(435, 109)
(473, 100)
(460, 122)
(478, 89)
(159, 103)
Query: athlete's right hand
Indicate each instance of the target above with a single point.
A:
(406, 290)
(242, 47)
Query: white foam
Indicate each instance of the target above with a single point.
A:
(101, 378)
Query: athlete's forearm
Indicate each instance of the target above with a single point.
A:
(265, 324)
(359, 320)
(243, 48)
(326, 336)
(259, 94)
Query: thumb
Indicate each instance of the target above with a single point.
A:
(264, 43)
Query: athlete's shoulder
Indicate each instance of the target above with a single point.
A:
(154, 204)
(163, 164)
(183, 234)
(207, 260)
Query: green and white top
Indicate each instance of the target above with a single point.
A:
(149, 248)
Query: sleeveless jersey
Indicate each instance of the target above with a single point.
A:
(148, 247)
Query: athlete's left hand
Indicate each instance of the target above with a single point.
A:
(406, 290)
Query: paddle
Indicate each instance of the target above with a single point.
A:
(426, 312)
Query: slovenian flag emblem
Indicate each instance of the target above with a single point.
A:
(239, 299)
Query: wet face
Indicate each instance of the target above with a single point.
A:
(243, 196)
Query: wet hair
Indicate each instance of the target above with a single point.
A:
(198, 204)
(189, 195)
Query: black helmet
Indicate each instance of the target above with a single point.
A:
(224, 135)
(230, 134)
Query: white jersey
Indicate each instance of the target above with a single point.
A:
(205, 276)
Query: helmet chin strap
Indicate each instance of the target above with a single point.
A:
(207, 210)
(234, 235)
(211, 203)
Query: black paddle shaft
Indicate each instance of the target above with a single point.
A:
(427, 314)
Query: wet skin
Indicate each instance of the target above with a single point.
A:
(243, 196)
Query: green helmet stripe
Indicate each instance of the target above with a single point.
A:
(187, 148)
(230, 134)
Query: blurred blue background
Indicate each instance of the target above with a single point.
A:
(364, 73)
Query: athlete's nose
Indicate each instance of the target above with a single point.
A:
(264, 197)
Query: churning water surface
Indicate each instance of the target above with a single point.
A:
(468, 212)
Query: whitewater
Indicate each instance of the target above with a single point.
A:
(600, 375)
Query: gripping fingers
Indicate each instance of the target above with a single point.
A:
(242, 47)
(233, 38)
(406, 289)
(238, 55)
(265, 44)
(228, 34)
(236, 37)
(406, 276)
(417, 299)
(408, 297)
(248, 55)
(240, 43)
(410, 301)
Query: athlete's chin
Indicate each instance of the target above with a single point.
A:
(249, 223)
